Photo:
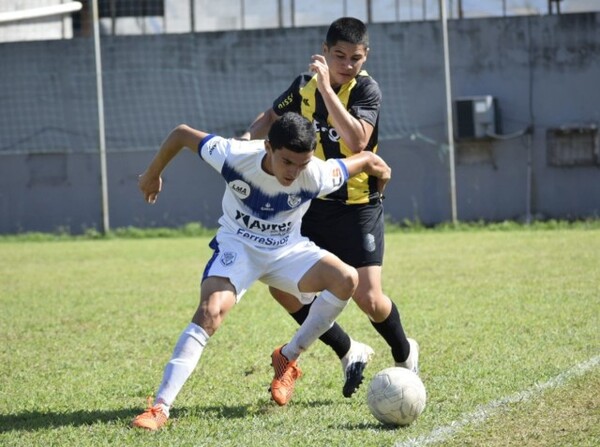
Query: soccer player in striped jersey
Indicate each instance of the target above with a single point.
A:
(343, 101)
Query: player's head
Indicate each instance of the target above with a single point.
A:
(349, 30)
(290, 147)
(294, 132)
(345, 48)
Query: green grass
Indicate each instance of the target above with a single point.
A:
(87, 324)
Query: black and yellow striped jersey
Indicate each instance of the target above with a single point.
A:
(362, 98)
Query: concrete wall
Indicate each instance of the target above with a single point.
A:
(544, 71)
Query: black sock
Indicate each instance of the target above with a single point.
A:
(336, 338)
(392, 332)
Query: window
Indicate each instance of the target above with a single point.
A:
(573, 146)
(131, 8)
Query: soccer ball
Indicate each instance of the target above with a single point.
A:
(396, 396)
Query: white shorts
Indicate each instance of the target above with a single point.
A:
(282, 268)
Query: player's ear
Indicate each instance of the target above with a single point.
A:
(325, 48)
(268, 146)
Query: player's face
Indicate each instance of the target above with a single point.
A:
(344, 60)
(286, 165)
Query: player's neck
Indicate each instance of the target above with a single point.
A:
(266, 164)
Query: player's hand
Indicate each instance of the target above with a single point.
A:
(381, 183)
(150, 186)
(319, 65)
(383, 172)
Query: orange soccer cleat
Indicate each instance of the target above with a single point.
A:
(153, 418)
(286, 373)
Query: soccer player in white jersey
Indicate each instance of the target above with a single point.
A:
(270, 185)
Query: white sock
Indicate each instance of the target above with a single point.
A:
(185, 357)
(323, 312)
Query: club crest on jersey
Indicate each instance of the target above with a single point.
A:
(228, 258)
(240, 188)
(294, 200)
(369, 242)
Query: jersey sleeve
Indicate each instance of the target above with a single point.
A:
(289, 100)
(367, 101)
(214, 150)
(333, 175)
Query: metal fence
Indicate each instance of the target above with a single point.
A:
(63, 109)
(135, 17)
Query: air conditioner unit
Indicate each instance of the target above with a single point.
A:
(477, 117)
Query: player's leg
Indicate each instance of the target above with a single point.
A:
(336, 338)
(381, 310)
(353, 355)
(303, 270)
(338, 282)
(326, 224)
(356, 235)
(383, 314)
(217, 298)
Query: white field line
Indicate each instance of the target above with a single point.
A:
(483, 412)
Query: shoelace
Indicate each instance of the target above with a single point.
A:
(281, 365)
(291, 374)
(154, 410)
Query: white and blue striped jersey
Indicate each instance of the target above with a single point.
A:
(258, 208)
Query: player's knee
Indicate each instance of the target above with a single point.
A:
(372, 303)
(208, 317)
(349, 280)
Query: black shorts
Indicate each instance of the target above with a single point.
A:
(352, 232)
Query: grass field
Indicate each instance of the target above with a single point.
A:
(508, 323)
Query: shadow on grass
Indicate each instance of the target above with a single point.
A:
(39, 420)
(366, 426)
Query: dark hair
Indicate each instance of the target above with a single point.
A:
(294, 132)
(347, 29)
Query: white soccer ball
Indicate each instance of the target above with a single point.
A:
(396, 396)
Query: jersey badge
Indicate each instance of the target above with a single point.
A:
(369, 242)
(228, 258)
(240, 188)
(294, 200)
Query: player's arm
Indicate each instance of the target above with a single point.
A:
(356, 133)
(371, 164)
(150, 182)
(259, 128)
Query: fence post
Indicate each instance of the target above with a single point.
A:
(449, 117)
(101, 131)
